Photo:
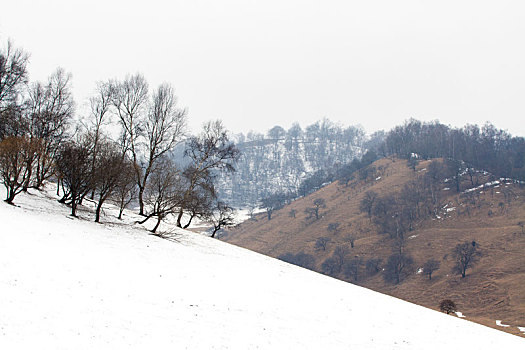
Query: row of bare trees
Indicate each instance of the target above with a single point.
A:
(39, 140)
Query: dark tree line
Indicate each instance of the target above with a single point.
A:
(486, 147)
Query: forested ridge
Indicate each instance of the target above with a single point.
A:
(280, 161)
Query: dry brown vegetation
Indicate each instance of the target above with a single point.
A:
(493, 289)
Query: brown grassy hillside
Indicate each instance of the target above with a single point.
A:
(494, 289)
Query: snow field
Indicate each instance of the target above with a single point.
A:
(68, 283)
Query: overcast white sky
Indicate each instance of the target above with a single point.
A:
(255, 64)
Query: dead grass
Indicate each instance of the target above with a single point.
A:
(494, 289)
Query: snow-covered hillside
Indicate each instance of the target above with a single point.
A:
(72, 284)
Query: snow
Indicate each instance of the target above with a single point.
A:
(486, 185)
(460, 314)
(522, 329)
(498, 323)
(68, 283)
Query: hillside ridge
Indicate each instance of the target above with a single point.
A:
(491, 290)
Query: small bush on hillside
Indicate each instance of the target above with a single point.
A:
(321, 242)
(300, 259)
(430, 266)
(447, 306)
(331, 267)
(372, 266)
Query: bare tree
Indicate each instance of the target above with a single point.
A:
(465, 255)
(397, 267)
(222, 216)
(151, 130)
(522, 225)
(163, 193)
(351, 239)
(333, 227)
(49, 109)
(13, 170)
(211, 151)
(352, 268)
(367, 203)
(273, 202)
(108, 172)
(341, 252)
(130, 99)
(321, 242)
(318, 204)
(331, 266)
(372, 266)
(12, 121)
(100, 104)
(430, 266)
(73, 162)
(13, 74)
(199, 204)
(126, 189)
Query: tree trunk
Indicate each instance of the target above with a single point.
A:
(74, 208)
(189, 222)
(10, 196)
(157, 224)
(179, 217)
(97, 212)
(141, 201)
